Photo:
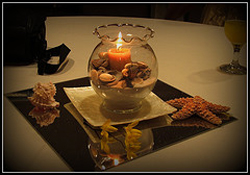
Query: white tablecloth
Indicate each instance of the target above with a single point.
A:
(188, 56)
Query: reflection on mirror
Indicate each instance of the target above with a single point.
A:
(44, 117)
(117, 146)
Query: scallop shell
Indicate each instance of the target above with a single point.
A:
(43, 96)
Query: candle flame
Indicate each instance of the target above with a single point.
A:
(119, 41)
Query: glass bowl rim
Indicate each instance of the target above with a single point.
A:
(147, 36)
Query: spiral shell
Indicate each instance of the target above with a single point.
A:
(43, 96)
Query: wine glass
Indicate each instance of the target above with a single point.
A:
(235, 31)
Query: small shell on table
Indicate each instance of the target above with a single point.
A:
(43, 96)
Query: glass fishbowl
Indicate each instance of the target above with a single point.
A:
(123, 68)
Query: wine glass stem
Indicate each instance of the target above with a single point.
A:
(236, 55)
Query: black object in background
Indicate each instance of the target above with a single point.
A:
(24, 34)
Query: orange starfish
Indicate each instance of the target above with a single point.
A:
(199, 106)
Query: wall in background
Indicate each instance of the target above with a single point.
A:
(184, 12)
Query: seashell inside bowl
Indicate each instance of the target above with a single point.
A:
(103, 55)
(132, 65)
(101, 62)
(106, 78)
(142, 65)
(43, 96)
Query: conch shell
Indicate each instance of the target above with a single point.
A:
(43, 96)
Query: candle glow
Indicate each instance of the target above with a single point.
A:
(119, 57)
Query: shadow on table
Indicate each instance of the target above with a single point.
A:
(208, 76)
(66, 67)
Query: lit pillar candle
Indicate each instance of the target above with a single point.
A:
(119, 57)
